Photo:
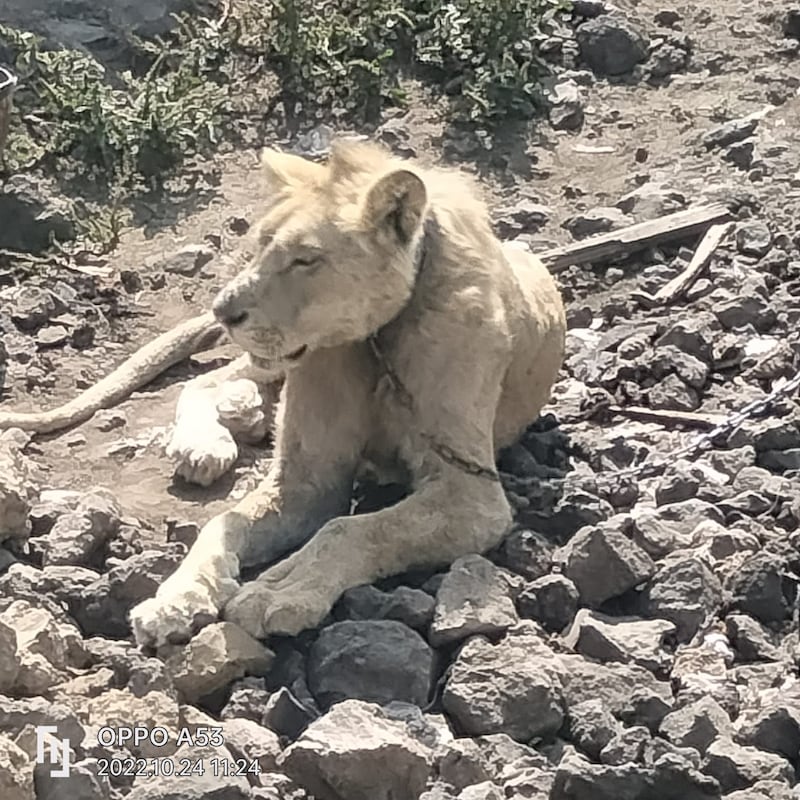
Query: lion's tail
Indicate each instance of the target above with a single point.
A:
(190, 337)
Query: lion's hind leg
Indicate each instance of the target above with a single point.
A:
(446, 518)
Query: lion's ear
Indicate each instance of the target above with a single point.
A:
(283, 170)
(396, 203)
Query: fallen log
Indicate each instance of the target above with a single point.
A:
(624, 241)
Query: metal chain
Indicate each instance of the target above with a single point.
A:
(703, 441)
(445, 452)
(647, 469)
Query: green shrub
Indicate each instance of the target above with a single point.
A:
(121, 128)
(352, 53)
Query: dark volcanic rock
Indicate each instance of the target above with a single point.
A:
(611, 44)
(362, 660)
(604, 563)
(512, 687)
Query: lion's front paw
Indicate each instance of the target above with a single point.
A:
(282, 605)
(202, 454)
(173, 617)
(240, 408)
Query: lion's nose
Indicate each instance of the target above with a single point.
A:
(226, 312)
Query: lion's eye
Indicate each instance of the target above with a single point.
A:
(306, 264)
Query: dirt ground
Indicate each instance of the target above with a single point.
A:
(633, 133)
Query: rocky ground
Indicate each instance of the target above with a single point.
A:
(630, 640)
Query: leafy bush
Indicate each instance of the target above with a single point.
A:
(121, 128)
(484, 51)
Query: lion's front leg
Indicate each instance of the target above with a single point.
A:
(448, 517)
(213, 411)
(320, 434)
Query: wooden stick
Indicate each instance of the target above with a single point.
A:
(680, 284)
(663, 416)
(680, 225)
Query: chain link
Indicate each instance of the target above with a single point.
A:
(445, 452)
(647, 469)
(701, 442)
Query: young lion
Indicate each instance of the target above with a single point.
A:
(409, 339)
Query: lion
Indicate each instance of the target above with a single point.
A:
(408, 343)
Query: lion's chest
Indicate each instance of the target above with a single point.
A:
(395, 446)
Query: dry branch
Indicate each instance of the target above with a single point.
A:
(680, 284)
(623, 242)
(664, 417)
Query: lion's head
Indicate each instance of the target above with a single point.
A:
(336, 253)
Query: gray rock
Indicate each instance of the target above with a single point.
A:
(218, 655)
(189, 260)
(691, 336)
(678, 483)
(247, 700)
(286, 715)
(734, 130)
(566, 106)
(15, 715)
(604, 563)
(578, 779)
(78, 536)
(33, 306)
(623, 639)
(485, 790)
(354, 751)
(251, 742)
(741, 154)
(651, 200)
(62, 584)
(658, 536)
(412, 607)
(626, 747)
(611, 45)
(17, 491)
(526, 553)
(780, 460)
(84, 782)
(551, 600)
(16, 772)
(737, 767)
(591, 727)
(34, 211)
(774, 724)
(596, 220)
(525, 216)
(47, 648)
(511, 687)
(759, 588)
(631, 693)
(439, 791)
(684, 591)
(462, 763)
(104, 605)
(9, 658)
(672, 394)
(656, 748)
(359, 660)
(753, 642)
(696, 724)
(132, 668)
(186, 784)
(743, 310)
(667, 58)
(474, 598)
